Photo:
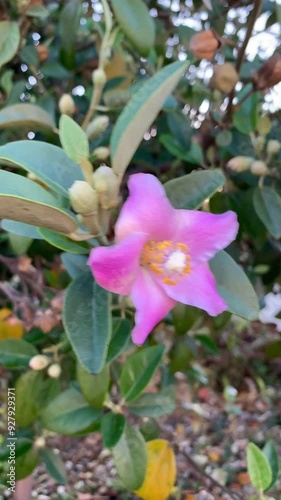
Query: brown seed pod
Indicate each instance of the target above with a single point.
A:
(269, 74)
(225, 77)
(204, 45)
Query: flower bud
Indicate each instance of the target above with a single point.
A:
(259, 168)
(104, 179)
(66, 105)
(240, 163)
(269, 74)
(97, 127)
(106, 184)
(83, 198)
(39, 362)
(43, 52)
(273, 147)
(54, 371)
(225, 77)
(101, 153)
(258, 143)
(204, 45)
(99, 77)
(40, 442)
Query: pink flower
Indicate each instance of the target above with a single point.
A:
(161, 255)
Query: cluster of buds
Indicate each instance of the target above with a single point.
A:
(40, 361)
(100, 192)
(259, 166)
(204, 45)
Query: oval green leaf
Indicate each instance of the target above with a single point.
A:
(137, 24)
(87, 321)
(26, 403)
(25, 115)
(93, 387)
(234, 286)
(9, 40)
(74, 264)
(271, 454)
(258, 468)
(26, 464)
(154, 405)
(69, 413)
(139, 370)
(16, 353)
(267, 204)
(47, 162)
(21, 229)
(130, 457)
(112, 427)
(25, 201)
(140, 113)
(73, 139)
(190, 191)
(121, 333)
(54, 465)
(63, 243)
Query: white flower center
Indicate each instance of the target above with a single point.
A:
(176, 262)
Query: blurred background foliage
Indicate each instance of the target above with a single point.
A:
(224, 114)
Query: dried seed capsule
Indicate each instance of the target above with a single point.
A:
(204, 45)
(225, 77)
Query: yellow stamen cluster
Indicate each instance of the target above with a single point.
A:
(156, 254)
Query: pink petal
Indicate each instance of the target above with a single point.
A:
(146, 210)
(152, 304)
(198, 289)
(204, 233)
(115, 268)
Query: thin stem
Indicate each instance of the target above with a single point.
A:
(241, 52)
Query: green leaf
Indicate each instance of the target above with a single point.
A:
(184, 317)
(74, 264)
(63, 243)
(25, 115)
(29, 55)
(129, 14)
(69, 413)
(26, 464)
(130, 457)
(20, 229)
(154, 405)
(87, 321)
(19, 244)
(37, 11)
(140, 113)
(22, 446)
(245, 119)
(234, 286)
(139, 370)
(26, 201)
(190, 191)
(207, 342)
(48, 163)
(121, 333)
(271, 454)
(73, 139)
(16, 353)
(267, 204)
(9, 40)
(68, 26)
(93, 387)
(54, 465)
(26, 404)
(112, 427)
(258, 468)
(180, 127)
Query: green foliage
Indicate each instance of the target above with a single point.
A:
(87, 321)
(112, 427)
(16, 353)
(258, 468)
(138, 371)
(130, 458)
(54, 465)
